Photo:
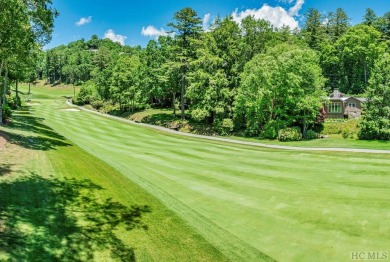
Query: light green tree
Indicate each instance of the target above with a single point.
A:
(279, 89)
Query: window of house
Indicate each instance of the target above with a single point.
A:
(352, 105)
(334, 107)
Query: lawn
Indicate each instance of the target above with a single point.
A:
(232, 202)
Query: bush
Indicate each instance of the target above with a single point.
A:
(370, 130)
(318, 127)
(271, 129)
(14, 102)
(108, 107)
(290, 134)
(225, 127)
(86, 95)
(331, 128)
(7, 113)
(346, 128)
(310, 134)
(97, 104)
(199, 114)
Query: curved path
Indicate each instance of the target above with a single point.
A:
(247, 143)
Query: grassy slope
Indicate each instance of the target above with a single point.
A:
(39, 159)
(245, 201)
(334, 141)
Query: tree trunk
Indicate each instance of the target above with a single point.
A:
(5, 85)
(182, 95)
(1, 105)
(2, 101)
(1, 67)
(365, 74)
(173, 103)
(16, 88)
(29, 88)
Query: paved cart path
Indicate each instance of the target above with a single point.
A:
(247, 143)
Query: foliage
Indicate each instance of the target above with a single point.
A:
(375, 123)
(187, 27)
(6, 113)
(262, 77)
(225, 127)
(86, 95)
(13, 101)
(337, 126)
(278, 90)
(310, 134)
(290, 134)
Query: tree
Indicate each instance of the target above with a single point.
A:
(256, 35)
(375, 122)
(279, 89)
(208, 91)
(370, 17)
(187, 28)
(357, 50)
(338, 24)
(313, 30)
(25, 24)
(125, 87)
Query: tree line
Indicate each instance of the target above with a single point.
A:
(249, 77)
(25, 27)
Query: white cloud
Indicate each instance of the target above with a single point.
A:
(277, 16)
(110, 34)
(206, 22)
(293, 11)
(152, 31)
(84, 20)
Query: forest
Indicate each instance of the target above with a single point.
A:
(249, 78)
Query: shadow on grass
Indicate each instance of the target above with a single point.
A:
(5, 169)
(42, 137)
(62, 220)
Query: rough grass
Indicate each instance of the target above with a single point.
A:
(232, 202)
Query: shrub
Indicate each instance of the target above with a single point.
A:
(225, 127)
(310, 134)
(331, 128)
(7, 113)
(346, 133)
(370, 130)
(351, 127)
(271, 129)
(86, 95)
(97, 104)
(14, 101)
(290, 134)
(318, 127)
(108, 107)
(199, 114)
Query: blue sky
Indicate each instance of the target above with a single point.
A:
(135, 22)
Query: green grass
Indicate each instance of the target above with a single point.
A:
(332, 141)
(236, 202)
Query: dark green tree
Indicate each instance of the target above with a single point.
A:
(187, 27)
(375, 122)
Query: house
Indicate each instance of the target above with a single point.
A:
(341, 106)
